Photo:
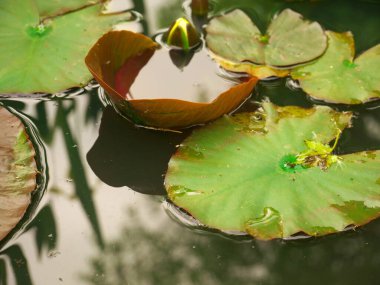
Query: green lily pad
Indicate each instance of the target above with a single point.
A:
(18, 171)
(337, 78)
(47, 56)
(289, 40)
(55, 7)
(272, 174)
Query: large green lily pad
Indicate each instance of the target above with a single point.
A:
(289, 40)
(47, 56)
(48, 8)
(336, 77)
(18, 171)
(271, 174)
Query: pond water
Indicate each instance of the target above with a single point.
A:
(104, 219)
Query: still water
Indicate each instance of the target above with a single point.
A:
(103, 218)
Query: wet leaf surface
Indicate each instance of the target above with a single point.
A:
(48, 56)
(337, 77)
(289, 40)
(18, 171)
(51, 8)
(242, 173)
(117, 59)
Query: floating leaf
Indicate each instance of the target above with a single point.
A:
(116, 60)
(337, 78)
(272, 174)
(47, 56)
(289, 40)
(17, 171)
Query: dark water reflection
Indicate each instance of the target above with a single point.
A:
(180, 256)
(85, 231)
(125, 155)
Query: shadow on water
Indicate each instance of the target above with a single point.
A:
(171, 255)
(126, 155)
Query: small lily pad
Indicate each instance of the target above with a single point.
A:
(272, 174)
(290, 40)
(337, 77)
(45, 54)
(120, 57)
(18, 171)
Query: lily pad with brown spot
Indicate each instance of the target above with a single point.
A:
(337, 77)
(18, 171)
(242, 173)
(119, 59)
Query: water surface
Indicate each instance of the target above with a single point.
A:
(103, 219)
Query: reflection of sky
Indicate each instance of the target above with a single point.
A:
(197, 82)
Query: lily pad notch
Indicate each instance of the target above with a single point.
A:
(339, 77)
(274, 174)
(238, 45)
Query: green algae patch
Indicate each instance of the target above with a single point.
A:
(339, 77)
(273, 174)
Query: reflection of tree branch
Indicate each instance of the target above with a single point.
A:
(19, 265)
(82, 189)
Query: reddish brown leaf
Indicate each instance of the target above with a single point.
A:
(116, 60)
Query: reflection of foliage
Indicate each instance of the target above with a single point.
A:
(46, 230)
(139, 6)
(44, 223)
(46, 236)
(149, 257)
(3, 272)
(19, 265)
(171, 255)
(82, 188)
